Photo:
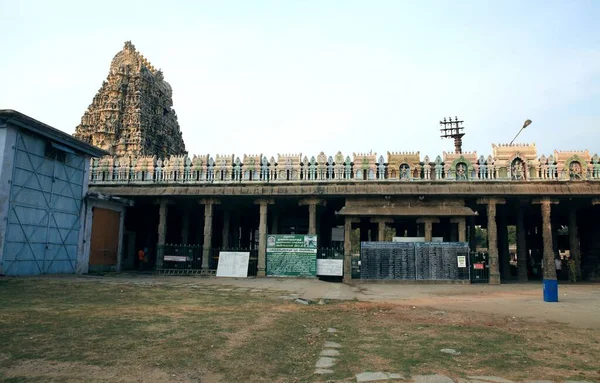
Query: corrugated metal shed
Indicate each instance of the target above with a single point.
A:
(44, 174)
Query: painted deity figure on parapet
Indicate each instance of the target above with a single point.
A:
(461, 171)
(518, 170)
(404, 172)
(381, 168)
(438, 168)
(482, 168)
(264, 169)
(237, 170)
(348, 168)
(330, 168)
(596, 166)
(426, 168)
(575, 171)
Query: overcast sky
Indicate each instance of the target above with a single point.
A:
(308, 76)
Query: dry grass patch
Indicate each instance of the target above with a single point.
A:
(57, 330)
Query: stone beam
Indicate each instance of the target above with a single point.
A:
(457, 189)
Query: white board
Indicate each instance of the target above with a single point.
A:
(416, 239)
(462, 261)
(175, 258)
(333, 267)
(233, 264)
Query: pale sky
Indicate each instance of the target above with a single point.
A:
(307, 76)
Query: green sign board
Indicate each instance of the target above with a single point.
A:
(292, 255)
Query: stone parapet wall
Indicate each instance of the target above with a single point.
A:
(182, 169)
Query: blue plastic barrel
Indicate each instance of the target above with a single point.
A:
(550, 287)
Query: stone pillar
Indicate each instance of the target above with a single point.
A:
(492, 237)
(503, 246)
(185, 227)
(428, 225)
(208, 229)
(225, 233)
(574, 249)
(262, 236)
(312, 212)
(472, 234)
(382, 223)
(312, 219)
(163, 210)
(462, 228)
(521, 246)
(348, 247)
(548, 261)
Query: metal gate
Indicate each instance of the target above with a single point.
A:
(44, 210)
(480, 268)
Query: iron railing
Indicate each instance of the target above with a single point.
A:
(187, 259)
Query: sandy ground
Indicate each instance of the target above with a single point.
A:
(579, 304)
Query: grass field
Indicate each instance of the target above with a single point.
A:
(73, 330)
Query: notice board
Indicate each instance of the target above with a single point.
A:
(233, 264)
(292, 255)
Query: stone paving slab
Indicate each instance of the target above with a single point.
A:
(323, 371)
(332, 345)
(432, 379)
(325, 362)
(493, 379)
(330, 352)
(376, 376)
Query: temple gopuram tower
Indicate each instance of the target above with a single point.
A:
(132, 113)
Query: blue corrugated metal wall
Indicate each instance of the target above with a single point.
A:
(44, 212)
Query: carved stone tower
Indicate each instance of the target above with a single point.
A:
(132, 113)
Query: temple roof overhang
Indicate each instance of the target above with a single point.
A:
(408, 211)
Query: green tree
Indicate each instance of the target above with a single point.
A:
(480, 237)
(512, 235)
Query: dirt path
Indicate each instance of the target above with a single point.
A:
(579, 305)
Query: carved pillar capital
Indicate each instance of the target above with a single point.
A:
(491, 201)
(160, 201)
(209, 201)
(428, 220)
(545, 201)
(264, 201)
(383, 220)
(312, 201)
